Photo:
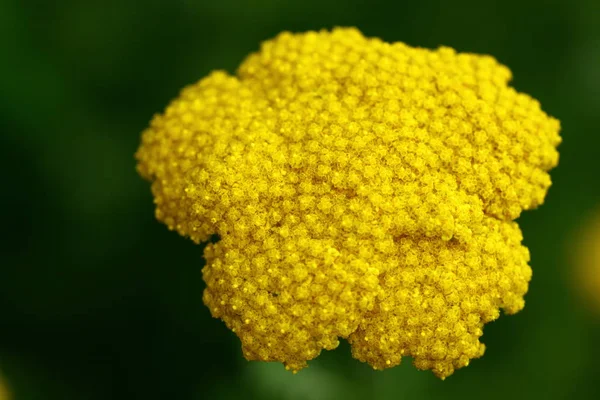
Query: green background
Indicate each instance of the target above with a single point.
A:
(100, 301)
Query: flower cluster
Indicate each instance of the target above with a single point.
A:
(360, 190)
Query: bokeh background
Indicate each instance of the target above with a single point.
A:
(100, 301)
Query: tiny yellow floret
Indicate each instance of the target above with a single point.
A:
(361, 190)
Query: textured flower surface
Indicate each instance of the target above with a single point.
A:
(360, 190)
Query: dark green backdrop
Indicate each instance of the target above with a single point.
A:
(99, 301)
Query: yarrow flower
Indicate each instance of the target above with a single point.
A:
(4, 393)
(587, 260)
(360, 190)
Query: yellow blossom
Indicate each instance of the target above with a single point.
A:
(361, 190)
(4, 393)
(587, 261)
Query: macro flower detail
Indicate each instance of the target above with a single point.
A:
(360, 190)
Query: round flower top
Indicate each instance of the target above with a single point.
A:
(360, 190)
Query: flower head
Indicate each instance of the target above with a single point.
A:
(4, 392)
(360, 190)
(586, 244)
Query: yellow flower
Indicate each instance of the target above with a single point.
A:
(587, 260)
(360, 190)
(4, 393)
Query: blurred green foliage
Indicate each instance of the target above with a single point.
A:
(99, 301)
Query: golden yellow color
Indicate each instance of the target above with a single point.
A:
(360, 190)
(587, 261)
(4, 394)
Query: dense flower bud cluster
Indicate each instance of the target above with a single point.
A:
(360, 190)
